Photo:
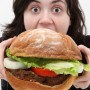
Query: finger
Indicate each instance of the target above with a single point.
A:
(82, 85)
(86, 52)
(84, 49)
(3, 76)
(7, 42)
(3, 45)
(85, 77)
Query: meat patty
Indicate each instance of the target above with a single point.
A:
(28, 75)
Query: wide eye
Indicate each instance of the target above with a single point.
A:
(56, 10)
(35, 9)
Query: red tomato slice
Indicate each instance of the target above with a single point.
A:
(44, 72)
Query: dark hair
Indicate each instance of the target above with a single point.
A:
(17, 26)
(77, 17)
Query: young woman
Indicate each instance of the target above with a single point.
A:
(60, 15)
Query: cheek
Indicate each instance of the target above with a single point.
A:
(63, 25)
(29, 21)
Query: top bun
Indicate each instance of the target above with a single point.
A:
(45, 43)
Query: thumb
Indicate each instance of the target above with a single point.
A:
(7, 42)
(86, 52)
(3, 45)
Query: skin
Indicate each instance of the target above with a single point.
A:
(51, 14)
(84, 80)
(3, 46)
(47, 14)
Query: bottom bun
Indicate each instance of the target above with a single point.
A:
(18, 84)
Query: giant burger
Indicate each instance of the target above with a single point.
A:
(42, 59)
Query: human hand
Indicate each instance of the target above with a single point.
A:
(84, 80)
(3, 46)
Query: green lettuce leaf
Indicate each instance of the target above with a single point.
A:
(59, 66)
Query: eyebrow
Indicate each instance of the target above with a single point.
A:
(36, 1)
(55, 1)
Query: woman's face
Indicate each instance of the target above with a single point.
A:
(51, 14)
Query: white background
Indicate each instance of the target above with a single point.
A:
(6, 12)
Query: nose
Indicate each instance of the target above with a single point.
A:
(45, 18)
